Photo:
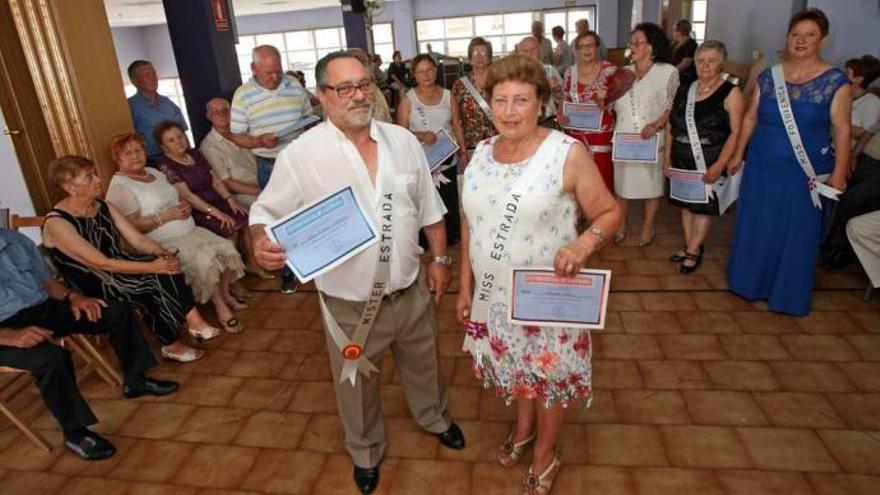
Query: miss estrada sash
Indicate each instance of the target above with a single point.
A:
(353, 349)
(495, 266)
(475, 94)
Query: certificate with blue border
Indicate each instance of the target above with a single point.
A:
(324, 234)
(687, 186)
(441, 150)
(582, 116)
(630, 147)
(286, 133)
(540, 298)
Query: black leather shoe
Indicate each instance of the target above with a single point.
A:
(150, 387)
(452, 438)
(92, 447)
(366, 479)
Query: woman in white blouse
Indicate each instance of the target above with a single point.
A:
(210, 262)
(645, 109)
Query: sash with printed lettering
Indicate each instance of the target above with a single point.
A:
(353, 349)
(495, 266)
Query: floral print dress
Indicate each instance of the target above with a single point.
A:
(551, 365)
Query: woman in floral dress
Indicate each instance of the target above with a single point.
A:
(543, 370)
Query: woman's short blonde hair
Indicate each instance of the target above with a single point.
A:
(65, 168)
(522, 69)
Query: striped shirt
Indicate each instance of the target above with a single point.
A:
(257, 110)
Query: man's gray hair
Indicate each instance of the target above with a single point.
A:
(714, 45)
(321, 68)
(259, 51)
(213, 100)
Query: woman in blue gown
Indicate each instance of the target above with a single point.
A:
(778, 228)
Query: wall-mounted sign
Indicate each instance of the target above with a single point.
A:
(221, 15)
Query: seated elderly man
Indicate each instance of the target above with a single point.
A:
(235, 166)
(35, 308)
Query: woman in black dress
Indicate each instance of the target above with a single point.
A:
(85, 236)
(718, 111)
(683, 53)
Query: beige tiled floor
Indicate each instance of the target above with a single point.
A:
(696, 392)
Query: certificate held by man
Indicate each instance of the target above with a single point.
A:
(631, 147)
(688, 186)
(541, 298)
(441, 150)
(324, 234)
(583, 116)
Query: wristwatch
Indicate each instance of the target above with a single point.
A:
(444, 260)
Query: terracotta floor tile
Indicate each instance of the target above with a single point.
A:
(624, 301)
(693, 347)
(707, 322)
(694, 281)
(573, 444)
(719, 301)
(217, 425)
(259, 393)
(764, 483)
(463, 373)
(868, 346)
(860, 411)
(464, 402)
(603, 410)
(251, 364)
(818, 322)
(667, 301)
(865, 376)
(590, 480)
(313, 368)
(152, 461)
(252, 340)
(754, 347)
(651, 407)
(711, 447)
(160, 489)
(313, 397)
(673, 481)
(393, 401)
(741, 375)
(837, 300)
(856, 451)
(156, 421)
(787, 449)
(407, 440)
(215, 362)
(288, 319)
(209, 390)
(323, 434)
(91, 486)
(811, 377)
(616, 374)
(31, 482)
(449, 345)
(765, 322)
(270, 429)
(217, 466)
(674, 375)
(819, 348)
(622, 253)
(335, 477)
(111, 415)
(276, 471)
(646, 322)
(843, 484)
(300, 342)
(490, 478)
(625, 445)
(723, 408)
(444, 477)
(627, 347)
(613, 323)
(634, 282)
(483, 438)
(492, 408)
(650, 267)
(869, 320)
(799, 410)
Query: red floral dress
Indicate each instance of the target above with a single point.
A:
(599, 143)
(475, 124)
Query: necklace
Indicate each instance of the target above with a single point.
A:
(141, 176)
(703, 91)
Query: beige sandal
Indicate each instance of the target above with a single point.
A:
(543, 483)
(511, 451)
(187, 356)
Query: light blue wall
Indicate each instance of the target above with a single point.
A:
(861, 17)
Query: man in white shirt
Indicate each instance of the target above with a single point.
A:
(385, 167)
(545, 47)
(530, 48)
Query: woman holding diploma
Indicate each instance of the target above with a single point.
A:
(585, 83)
(779, 223)
(644, 110)
(715, 116)
(426, 109)
(524, 190)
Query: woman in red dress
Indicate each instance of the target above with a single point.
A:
(585, 82)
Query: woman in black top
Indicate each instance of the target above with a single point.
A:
(683, 49)
(718, 111)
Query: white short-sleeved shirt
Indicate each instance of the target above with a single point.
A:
(866, 111)
(323, 161)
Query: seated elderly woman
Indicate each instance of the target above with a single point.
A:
(210, 262)
(85, 236)
(549, 177)
(213, 206)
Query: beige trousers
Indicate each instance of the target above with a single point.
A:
(408, 325)
(864, 236)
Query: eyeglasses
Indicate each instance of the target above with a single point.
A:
(347, 90)
(426, 72)
(637, 43)
(586, 46)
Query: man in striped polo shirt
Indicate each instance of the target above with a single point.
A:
(269, 102)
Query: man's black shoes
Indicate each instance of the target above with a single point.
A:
(91, 446)
(149, 386)
(452, 438)
(366, 479)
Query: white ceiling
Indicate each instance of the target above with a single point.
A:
(145, 12)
